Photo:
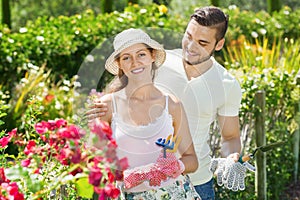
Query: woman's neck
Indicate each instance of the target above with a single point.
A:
(141, 92)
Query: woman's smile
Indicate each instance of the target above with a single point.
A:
(138, 70)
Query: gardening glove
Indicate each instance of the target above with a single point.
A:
(229, 173)
(155, 173)
(169, 165)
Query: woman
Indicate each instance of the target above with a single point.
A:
(140, 114)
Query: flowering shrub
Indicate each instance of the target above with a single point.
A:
(63, 154)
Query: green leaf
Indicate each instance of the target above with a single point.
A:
(84, 189)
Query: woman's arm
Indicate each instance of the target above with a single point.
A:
(181, 129)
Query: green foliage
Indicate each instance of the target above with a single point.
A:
(273, 70)
(259, 25)
(62, 43)
(37, 97)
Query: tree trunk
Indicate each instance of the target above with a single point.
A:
(107, 6)
(133, 1)
(215, 3)
(6, 13)
(273, 5)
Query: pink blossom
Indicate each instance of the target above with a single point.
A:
(4, 141)
(26, 162)
(41, 127)
(3, 178)
(95, 176)
(111, 190)
(30, 147)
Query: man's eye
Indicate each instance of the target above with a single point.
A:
(142, 54)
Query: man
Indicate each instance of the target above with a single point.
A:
(207, 91)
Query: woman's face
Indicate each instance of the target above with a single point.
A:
(136, 61)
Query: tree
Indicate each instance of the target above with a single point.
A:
(133, 1)
(273, 5)
(6, 13)
(107, 6)
(215, 3)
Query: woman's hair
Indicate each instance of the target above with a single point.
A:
(121, 80)
(212, 17)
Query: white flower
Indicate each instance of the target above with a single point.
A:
(254, 34)
(67, 82)
(40, 38)
(10, 40)
(77, 84)
(9, 59)
(143, 10)
(90, 58)
(23, 30)
(263, 31)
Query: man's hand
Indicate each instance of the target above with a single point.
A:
(97, 110)
(229, 172)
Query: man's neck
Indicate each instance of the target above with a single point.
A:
(194, 71)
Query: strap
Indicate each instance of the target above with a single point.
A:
(167, 103)
(114, 103)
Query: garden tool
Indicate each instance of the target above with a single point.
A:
(170, 144)
(263, 148)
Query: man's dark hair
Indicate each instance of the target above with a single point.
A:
(212, 17)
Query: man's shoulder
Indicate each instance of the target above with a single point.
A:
(173, 59)
(223, 72)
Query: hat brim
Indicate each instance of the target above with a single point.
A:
(111, 64)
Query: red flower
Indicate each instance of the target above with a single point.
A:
(4, 141)
(3, 178)
(12, 133)
(49, 98)
(95, 176)
(61, 123)
(76, 157)
(111, 190)
(41, 127)
(102, 129)
(30, 147)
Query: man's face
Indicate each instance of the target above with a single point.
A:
(198, 43)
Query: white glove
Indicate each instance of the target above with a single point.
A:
(229, 173)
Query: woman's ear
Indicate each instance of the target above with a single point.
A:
(153, 55)
(220, 44)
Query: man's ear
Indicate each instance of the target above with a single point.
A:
(220, 44)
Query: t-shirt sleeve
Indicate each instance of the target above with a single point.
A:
(233, 98)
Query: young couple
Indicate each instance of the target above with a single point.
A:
(177, 92)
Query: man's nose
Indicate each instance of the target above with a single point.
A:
(193, 45)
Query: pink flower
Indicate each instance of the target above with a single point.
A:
(61, 123)
(111, 190)
(3, 178)
(101, 129)
(4, 141)
(26, 162)
(13, 133)
(76, 157)
(95, 176)
(41, 127)
(30, 147)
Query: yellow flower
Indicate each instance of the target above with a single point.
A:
(163, 9)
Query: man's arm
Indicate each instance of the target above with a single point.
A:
(230, 133)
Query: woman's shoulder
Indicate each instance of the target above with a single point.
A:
(173, 102)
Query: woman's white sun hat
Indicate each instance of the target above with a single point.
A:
(128, 38)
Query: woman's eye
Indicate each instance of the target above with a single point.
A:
(125, 58)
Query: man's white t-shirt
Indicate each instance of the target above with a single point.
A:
(216, 92)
